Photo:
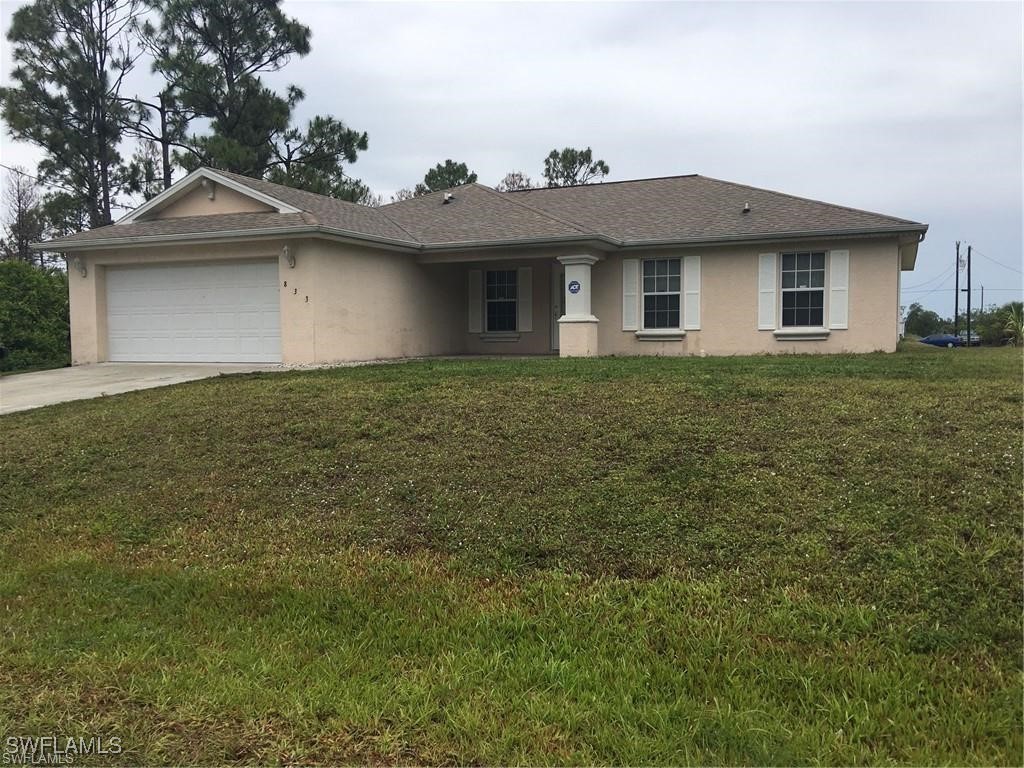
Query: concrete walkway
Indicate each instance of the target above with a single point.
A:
(22, 391)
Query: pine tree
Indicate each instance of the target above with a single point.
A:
(569, 167)
(446, 176)
(71, 58)
(211, 54)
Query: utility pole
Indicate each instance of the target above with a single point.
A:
(956, 294)
(968, 295)
(983, 299)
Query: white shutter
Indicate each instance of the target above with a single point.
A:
(766, 281)
(838, 289)
(524, 295)
(476, 301)
(630, 297)
(691, 289)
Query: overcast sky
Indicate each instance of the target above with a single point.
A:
(910, 109)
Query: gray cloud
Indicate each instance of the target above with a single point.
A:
(912, 109)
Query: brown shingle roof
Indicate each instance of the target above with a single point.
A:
(476, 214)
(695, 208)
(328, 211)
(672, 209)
(187, 225)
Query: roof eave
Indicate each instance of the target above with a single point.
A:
(767, 237)
(222, 235)
(602, 242)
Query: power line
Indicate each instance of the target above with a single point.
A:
(933, 290)
(35, 178)
(941, 277)
(930, 291)
(55, 186)
(1004, 266)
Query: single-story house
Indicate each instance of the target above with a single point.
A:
(225, 268)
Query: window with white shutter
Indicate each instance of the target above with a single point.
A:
(500, 297)
(691, 293)
(475, 301)
(803, 289)
(838, 289)
(766, 282)
(630, 299)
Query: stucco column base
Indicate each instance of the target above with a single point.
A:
(577, 337)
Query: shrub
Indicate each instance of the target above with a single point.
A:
(34, 326)
(924, 322)
(1013, 327)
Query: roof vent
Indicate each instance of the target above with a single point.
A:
(448, 197)
(746, 207)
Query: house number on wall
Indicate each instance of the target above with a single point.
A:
(574, 286)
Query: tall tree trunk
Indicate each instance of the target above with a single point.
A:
(165, 142)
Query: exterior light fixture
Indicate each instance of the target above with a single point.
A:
(288, 256)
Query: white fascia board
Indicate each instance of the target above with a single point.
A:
(240, 235)
(182, 186)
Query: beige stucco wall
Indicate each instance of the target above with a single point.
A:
(197, 202)
(367, 304)
(535, 342)
(339, 302)
(729, 294)
(729, 304)
(344, 303)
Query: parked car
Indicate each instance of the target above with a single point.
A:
(975, 339)
(943, 340)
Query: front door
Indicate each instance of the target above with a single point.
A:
(557, 297)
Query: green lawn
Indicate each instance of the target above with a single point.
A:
(749, 560)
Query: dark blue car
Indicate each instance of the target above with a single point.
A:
(943, 340)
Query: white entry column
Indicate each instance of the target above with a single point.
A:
(577, 327)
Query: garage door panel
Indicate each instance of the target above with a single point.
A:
(194, 313)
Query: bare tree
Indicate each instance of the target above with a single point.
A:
(513, 181)
(402, 194)
(24, 222)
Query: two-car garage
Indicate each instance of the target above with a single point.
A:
(223, 312)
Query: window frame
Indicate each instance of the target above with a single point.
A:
(644, 293)
(823, 288)
(488, 301)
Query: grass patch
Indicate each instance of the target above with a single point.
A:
(745, 560)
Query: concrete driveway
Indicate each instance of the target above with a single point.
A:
(22, 391)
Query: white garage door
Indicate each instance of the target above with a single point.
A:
(208, 313)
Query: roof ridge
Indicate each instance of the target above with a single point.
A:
(432, 193)
(378, 210)
(568, 222)
(245, 179)
(603, 183)
(808, 199)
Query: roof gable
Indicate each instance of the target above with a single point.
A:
(329, 212)
(688, 210)
(206, 180)
(212, 200)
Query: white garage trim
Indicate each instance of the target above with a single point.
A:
(224, 312)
